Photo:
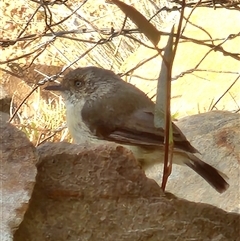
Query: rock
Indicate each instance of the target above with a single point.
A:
(217, 136)
(101, 193)
(5, 101)
(17, 177)
(4, 117)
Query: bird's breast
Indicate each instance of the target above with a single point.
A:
(77, 128)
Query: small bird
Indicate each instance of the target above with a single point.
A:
(101, 106)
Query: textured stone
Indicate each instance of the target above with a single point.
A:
(5, 101)
(217, 136)
(101, 193)
(17, 177)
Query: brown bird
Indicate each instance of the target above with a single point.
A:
(101, 106)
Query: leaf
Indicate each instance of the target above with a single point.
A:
(162, 115)
(164, 86)
(143, 24)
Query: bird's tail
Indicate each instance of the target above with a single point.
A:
(214, 177)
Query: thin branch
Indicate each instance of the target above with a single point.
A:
(22, 102)
(234, 82)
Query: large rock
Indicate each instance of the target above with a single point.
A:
(17, 177)
(217, 136)
(101, 193)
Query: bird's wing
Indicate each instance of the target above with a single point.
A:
(133, 120)
(139, 129)
(134, 128)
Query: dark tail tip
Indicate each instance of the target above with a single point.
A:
(209, 173)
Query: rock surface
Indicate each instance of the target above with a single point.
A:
(217, 136)
(5, 101)
(17, 177)
(101, 193)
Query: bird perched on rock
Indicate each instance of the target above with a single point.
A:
(101, 106)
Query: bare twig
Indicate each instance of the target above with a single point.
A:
(234, 82)
(23, 101)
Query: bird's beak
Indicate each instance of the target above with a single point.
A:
(55, 87)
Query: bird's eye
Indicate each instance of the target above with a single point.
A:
(78, 83)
